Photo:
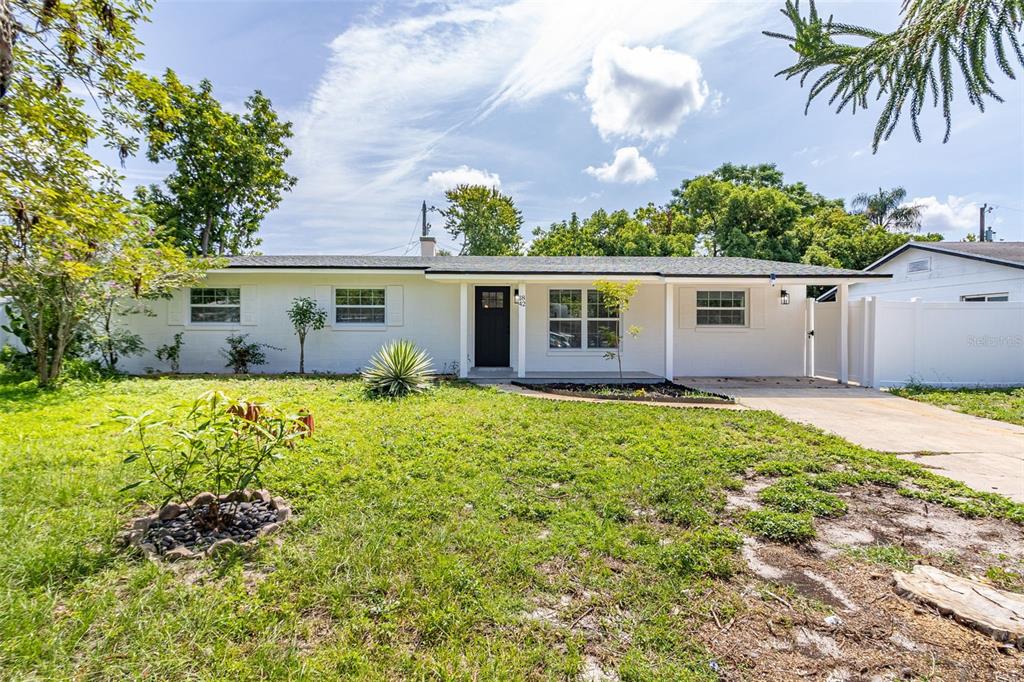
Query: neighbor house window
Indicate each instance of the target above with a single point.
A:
(580, 318)
(920, 265)
(721, 308)
(359, 306)
(985, 298)
(215, 305)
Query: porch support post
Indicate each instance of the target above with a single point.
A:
(521, 333)
(463, 330)
(843, 298)
(811, 303)
(670, 326)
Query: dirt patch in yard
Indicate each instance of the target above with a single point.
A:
(827, 610)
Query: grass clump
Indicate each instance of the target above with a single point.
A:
(1004, 579)
(797, 494)
(707, 552)
(894, 556)
(780, 526)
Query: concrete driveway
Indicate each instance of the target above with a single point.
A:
(985, 454)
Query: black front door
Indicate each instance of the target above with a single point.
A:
(492, 326)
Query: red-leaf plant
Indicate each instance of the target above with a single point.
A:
(220, 445)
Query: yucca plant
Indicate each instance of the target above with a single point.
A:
(397, 369)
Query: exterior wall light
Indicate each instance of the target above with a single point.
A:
(519, 299)
(784, 297)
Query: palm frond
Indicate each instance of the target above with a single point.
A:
(900, 69)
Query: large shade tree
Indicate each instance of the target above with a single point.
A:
(228, 168)
(486, 221)
(66, 233)
(915, 66)
(647, 231)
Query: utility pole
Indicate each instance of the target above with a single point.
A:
(426, 228)
(982, 210)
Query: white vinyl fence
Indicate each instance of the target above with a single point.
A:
(891, 343)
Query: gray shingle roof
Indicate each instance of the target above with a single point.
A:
(1007, 252)
(544, 265)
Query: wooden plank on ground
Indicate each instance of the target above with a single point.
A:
(995, 612)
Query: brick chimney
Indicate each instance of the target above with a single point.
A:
(428, 247)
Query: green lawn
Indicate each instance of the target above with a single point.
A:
(1004, 404)
(427, 530)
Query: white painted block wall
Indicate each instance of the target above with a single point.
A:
(429, 316)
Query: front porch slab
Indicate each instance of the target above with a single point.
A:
(503, 375)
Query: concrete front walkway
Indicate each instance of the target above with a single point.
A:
(985, 454)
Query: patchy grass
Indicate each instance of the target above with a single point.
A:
(893, 556)
(780, 526)
(1004, 404)
(428, 531)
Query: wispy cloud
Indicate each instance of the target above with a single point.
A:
(402, 97)
(627, 166)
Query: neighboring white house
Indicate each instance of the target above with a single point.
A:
(973, 272)
(952, 314)
(502, 316)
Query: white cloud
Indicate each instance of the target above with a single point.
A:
(462, 175)
(954, 218)
(401, 95)
(642, 92)
(627, 166)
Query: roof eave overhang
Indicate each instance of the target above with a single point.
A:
(931, 248)
(284, 269)
(538, 276)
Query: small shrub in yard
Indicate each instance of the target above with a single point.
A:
(797, 495)
(171, 352)
(397, 369)
(780, 526)
(219, 445)
(242, 354)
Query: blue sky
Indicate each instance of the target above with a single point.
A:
(569, 106)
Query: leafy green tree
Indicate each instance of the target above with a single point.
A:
(740, 220)
(648, 231)
(228, 168)
(887, 209)
(306, 315)
(47, 45)
(486, 221)
(909, 67)
(835, 238)
(762, 175)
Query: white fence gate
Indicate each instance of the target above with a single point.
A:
(891, 343)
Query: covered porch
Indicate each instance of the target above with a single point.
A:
(510, 328)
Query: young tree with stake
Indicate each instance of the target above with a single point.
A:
(306, 316)
(615, 299)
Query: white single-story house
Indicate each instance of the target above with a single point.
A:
(502, 316)
(972, 272)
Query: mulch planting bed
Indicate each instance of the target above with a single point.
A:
(662, 392)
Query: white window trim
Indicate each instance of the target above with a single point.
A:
(357, 326)
(212, 325)
(963, 299)
(583, 320)
(721, 327)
